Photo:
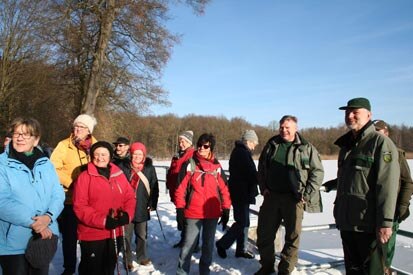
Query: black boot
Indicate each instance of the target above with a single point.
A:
(245, 254)
(222, 252)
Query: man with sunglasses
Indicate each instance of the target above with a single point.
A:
(121, 157)
(290, 174)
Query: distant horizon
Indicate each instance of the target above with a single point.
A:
(260, 61)
(341, 124)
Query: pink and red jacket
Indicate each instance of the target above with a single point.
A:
(202, 193)
(94, 195)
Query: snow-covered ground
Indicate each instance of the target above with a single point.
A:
(316, 246)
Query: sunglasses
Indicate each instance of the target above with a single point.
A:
(120, 145)
(205, 146)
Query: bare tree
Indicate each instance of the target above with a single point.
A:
(19, 22)
(115, 49)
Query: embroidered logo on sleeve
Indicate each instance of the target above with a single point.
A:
(387, 157)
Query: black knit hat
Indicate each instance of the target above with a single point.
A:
(103, 144)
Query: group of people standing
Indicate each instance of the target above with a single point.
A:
(373, 183)
(101, 195)
(81, 191)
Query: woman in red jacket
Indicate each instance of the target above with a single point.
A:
(103, 202)
(201, 198)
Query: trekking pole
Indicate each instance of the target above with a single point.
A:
(115, 242)
(124, 250)
(160, 224)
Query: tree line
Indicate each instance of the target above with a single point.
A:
(160, 133)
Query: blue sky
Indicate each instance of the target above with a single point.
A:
(260, 60)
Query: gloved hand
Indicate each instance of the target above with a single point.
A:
(123, 217)
(329, 185)
(224, 218)
(111, 222)
(180, 218)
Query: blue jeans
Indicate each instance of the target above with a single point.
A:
(193, 227)
(239, 230)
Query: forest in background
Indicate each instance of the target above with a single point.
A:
(62, 58)
(160, 133)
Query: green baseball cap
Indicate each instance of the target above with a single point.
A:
(357, 103)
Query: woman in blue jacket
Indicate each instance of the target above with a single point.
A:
(31, 197)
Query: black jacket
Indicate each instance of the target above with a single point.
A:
(143, 199)
(243, 182)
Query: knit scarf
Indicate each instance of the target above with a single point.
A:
(83, 145)
(135, 177)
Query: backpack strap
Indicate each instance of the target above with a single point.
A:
(145, 181)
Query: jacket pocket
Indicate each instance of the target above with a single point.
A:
(358, 211)
(361, 161)
(350, 210)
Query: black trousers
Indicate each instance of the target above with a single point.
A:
(68, 227)
(357, 247)
(99, 257)
(18, 265)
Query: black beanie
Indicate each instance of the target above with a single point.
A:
(103, 144)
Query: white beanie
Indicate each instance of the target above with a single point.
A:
(87, 120)
(250, 135)
(187, 135)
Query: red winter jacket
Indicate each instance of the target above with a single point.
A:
(173, 172)
(203, 193)
(94, 195)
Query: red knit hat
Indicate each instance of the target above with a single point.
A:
(138, 146)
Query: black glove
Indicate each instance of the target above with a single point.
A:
(111, 222)
(330, 185)
(180, 218)
(123, 217)
(224, 218)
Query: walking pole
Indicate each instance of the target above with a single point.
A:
(115, 242)
(124, 250)
(160, 224)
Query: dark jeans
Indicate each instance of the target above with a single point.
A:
(141, 234)
(127, 259)
(18, 265)
(275, 209)
(99, 257)
(239, 230)
(358, 249)
(68, 229)
(193, 229)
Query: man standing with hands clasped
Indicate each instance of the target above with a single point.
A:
(290, 174)
(367, 183)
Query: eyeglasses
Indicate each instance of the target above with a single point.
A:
(120, 145)
(24, 135)
(205, 146)
(79, 127)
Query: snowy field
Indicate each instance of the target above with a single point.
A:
(316, 246)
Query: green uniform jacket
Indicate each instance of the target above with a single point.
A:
(405, 189)
(367, 181)
(306, 170)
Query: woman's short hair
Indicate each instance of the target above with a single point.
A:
(32, 125)
(205, 138)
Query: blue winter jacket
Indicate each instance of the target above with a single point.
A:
(25, 193)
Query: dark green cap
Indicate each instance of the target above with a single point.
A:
(357, 103)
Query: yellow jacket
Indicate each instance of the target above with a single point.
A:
(67, 160)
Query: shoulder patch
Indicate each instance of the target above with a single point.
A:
(387, 157)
